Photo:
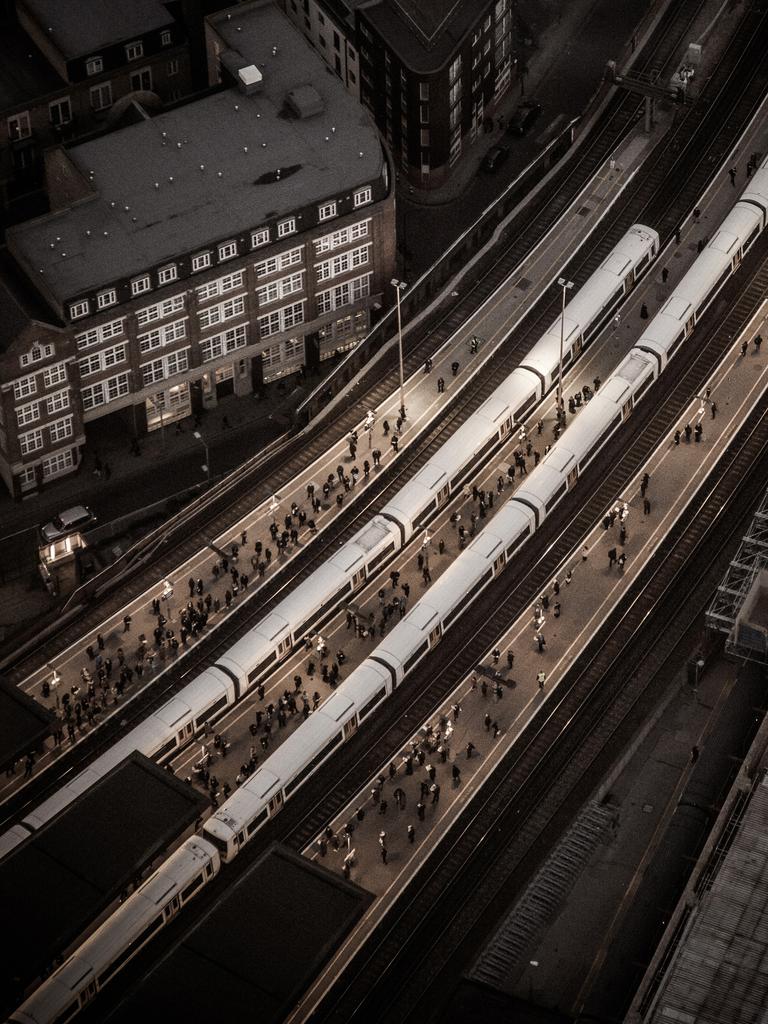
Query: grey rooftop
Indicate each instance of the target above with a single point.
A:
(78, 28)
(189, 178)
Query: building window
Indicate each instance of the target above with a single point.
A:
(173, 67)
(160, 310)
(24, 387)
(98, 334)
(134, 50)
(344, 262)
(327, 243)
(424, 91)
(259, 238)
(60, 112)
(224, 311)
(165, 38)
(281, 288)
(166, 366)
(58, 401)
(227, 250)
(289, 258)
(161, 336)
(19, 126)
(326, 211)
(286, 227)
(105, 391)
(26, 414)
(27, 478)
(281, 319)
(222, 285)
(363, 196)
(141, 81)
(343, 294)
(94, 65)
(101, 96)
(54, 375)
(31, 442)
(139, 285)
(336, 41)
(220, 344)
(167, 274)
(201, 261)
(79, 309)
(107, 298)
(59, 463)
(36, 354)
(61, 429)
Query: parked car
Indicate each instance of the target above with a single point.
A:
(522, 119)
(68, 521)
(495, 157)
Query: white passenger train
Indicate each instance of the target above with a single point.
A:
(264, 793)
(315, 600)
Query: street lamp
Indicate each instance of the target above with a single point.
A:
(565, 285)
(400, 286)
(54, 683)
(426, 541)
(158, 401)
(274, 507)
(166, 596)
(370, 419)
(207, 466)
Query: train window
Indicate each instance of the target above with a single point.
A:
(67, 1014)
(306, 771)
(629, 280)
(421, 649)
(165, 749)
(381, 556)
(256, 672)
(241, 838)
(369, 706)
(193, 886)
(275, 803)
(577, 346)
(180, 736)
(555, 497)
(257, 821)
(506, 426)
(211, 711)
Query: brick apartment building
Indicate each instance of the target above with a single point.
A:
(68, 70)
(208, 250)
(429, 71)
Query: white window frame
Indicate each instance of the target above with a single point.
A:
(221, 286)
(31, 442)
(281, 288)
(160, 310)
(61, 429)
(134, 51)
(53, 375)
(77, 310)
(286, 227)
(24, 387)
(259, 238)
(58, 401)
(94, 65)
(98, 93)
(327, 211)
(283, 260)
(26, 414)
(363, 196)
(140, 285)
(58, 463)
(159, 337)
(279, 320)
(173, 67)
(212, 316)
(165, 37)
(219, 345)
(201, 261)
(106, 298)
(22, 124)
(63, 103)
(344, 294)
(36, 355)
(227, 251)
(167, 274)
(344, 236)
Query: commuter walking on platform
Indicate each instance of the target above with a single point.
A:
(454, 367)
(622, 561)
(664, 275)
(643, 312)
(713, 409)
(440, 385)
(732, 175)
(541, 643)
(758, 343)
(411, 831)
(744, 346)
(541, 678)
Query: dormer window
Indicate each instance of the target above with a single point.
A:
(94, 65)
(133, 51)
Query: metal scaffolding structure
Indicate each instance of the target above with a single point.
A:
(740, 606)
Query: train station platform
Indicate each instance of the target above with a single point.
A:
(492, 724)
(57, 884)
(253, 954)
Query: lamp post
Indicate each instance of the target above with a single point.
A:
(425, 543)
(370, 419)
(159, 402)
(166, 596)
(207, 466)
(400, 286)
(54, 683)
(274, 507)
(565, 285)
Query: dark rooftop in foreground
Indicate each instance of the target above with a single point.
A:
(85, 28)
(196, 179)
(24, 73)
(23, 722)
(57, 882)
(259, 947)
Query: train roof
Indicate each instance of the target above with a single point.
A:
(56, 883)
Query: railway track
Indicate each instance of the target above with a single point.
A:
(300, 452)
(673, 182)
(408, 968)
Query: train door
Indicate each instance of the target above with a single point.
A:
(573, 476)
(358, 578)
(350, 728)
(578, 345)
(442, 494)
(689, 324)
(88, 993)
(629, 281)
(735, 262)
(505, 428)
(434, 636)
(185, 733)
(276, 803)
(498, 565)
(283, 647)
(171, 908)
(626, 409)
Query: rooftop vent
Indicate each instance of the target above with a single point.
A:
(305, 101)
(249, 79)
